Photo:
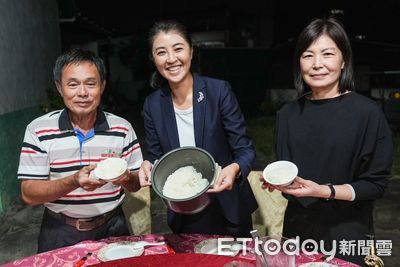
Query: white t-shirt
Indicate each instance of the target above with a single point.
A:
(184, 121)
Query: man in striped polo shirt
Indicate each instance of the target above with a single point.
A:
(62, 148)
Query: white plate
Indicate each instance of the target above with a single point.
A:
(317, 264)
(110, 168)
(210, 246)
(119, 250)
(280, 172)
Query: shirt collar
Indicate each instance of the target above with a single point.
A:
(101, 124)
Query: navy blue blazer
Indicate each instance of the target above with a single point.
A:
(219, 128)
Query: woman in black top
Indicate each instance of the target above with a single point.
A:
(340, 142)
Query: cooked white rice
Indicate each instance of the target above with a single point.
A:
(280, 176)
(183, 183)
(110, 168)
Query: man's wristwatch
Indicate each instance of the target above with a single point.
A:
(333, 192)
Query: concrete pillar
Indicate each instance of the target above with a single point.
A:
(30, 43)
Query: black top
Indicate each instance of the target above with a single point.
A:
(342, 140)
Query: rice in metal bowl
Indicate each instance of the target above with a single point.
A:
(184, 183)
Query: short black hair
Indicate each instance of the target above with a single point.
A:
(77, 55)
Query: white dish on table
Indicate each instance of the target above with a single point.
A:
(119, 250)
(210, 246)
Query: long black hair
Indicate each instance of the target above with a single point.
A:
(334, 29)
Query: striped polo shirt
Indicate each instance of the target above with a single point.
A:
(51, 150)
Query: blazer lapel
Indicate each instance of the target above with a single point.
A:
(199, 109)
(169, 119)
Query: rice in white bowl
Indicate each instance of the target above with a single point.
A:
(110, 168)
(280, 172)
(280, 176)
(183, 183)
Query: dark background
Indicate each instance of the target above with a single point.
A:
(259, 37)
(96, 19)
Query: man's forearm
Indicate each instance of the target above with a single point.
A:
(36, 192)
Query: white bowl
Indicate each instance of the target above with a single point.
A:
(280, 173)
(110, 168)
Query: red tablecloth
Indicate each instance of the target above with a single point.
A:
(174, 260)
(182, 244)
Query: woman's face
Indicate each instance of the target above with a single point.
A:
(321, 64)
(172, 56)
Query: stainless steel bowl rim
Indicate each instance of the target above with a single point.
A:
(171, 152)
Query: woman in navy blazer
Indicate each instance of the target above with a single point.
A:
(194, 110)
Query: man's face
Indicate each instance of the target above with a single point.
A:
(81, 88)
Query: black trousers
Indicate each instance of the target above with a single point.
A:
(55, 234)
(331, 220)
